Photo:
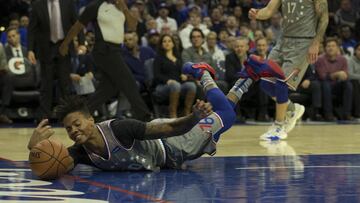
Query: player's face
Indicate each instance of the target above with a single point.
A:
(79, 127)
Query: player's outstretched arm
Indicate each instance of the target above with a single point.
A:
(266, 12)
(178, 126)
(41, 132)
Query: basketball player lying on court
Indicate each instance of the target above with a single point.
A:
(163, 143)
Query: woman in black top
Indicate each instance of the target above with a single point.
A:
(169, 81)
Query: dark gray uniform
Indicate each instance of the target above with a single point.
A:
(299, 28)
(137, 154)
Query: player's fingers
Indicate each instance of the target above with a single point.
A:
(43, 129)
(43, 123)
(48, 133)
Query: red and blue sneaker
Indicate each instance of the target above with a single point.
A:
(257, 68)
(197, 69)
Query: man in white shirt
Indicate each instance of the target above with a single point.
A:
(164, 19)
(194, 22)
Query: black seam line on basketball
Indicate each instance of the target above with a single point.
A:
(52, 165)
(56, 158)
(67, 170)
(57, 168)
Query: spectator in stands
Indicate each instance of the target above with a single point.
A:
(150, 25)
(219, 58)
(169, 82)
(196, 52)
(194, 22)
(226, 8)
(135, 57)
(275, 25)
(270, 37)
(347, 41)
(15, 23)
(212, 47)
(153, 38)
(258, 33)
(164, 19)
(346, 15)
(141, 25)
(178, 43)
(216, 18)
(239, 14)
(262, 47)
(13, 47)
(181, 13)
(232, 26)
(6, 87)
(332, 69)
(233, 65)
(24, 21)
(140, 4)
(223, 35)
(354, 76)
(310, 85)
(207, 21)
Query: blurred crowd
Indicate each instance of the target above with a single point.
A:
(219, 32)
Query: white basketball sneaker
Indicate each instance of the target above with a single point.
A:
(275, 132)
(292, 116)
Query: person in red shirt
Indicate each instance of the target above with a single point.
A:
(332, 69)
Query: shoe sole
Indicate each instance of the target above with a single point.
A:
(297, 117)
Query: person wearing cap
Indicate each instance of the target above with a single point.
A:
(164, 19)
(153, 38)
(109, 17)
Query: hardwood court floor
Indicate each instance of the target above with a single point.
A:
(317, 163)
(240, 140)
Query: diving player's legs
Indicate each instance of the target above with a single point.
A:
(223, 105)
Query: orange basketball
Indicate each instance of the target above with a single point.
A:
(49, 159)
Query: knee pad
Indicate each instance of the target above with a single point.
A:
(268, 88)
(282, 92)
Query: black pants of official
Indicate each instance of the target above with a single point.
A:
(116, 77)
(57, 69)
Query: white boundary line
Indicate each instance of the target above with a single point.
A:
(294, 167)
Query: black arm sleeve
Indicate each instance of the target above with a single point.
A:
(79, 155)
(90, 12)
(126, 131)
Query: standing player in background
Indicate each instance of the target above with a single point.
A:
(108, 18)
(304, 25)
